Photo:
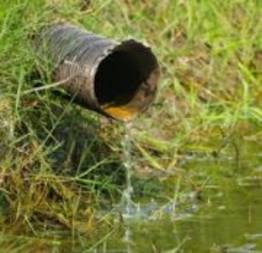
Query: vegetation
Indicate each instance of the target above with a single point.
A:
(60, 164)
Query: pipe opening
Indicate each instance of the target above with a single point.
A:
(121, 76)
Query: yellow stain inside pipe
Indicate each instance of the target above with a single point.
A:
(123, 113)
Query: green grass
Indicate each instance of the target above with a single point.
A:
(59, 163)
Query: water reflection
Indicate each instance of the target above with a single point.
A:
(227, 219)
(234, 228)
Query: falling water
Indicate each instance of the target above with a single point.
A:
(126, 201)
(127, 158)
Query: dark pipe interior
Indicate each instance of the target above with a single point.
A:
(117, 79)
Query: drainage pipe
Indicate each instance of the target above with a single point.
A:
(115, 79)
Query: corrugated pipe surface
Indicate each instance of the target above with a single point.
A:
(116, 79)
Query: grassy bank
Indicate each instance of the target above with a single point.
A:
(60, 163)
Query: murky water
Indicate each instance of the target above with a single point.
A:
(227, 219)
(231, 221)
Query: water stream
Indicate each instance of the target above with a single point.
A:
(126, 201)
(127, 162)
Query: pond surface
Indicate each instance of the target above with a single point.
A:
(225, 218)
(228, 218)
(231, 222)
